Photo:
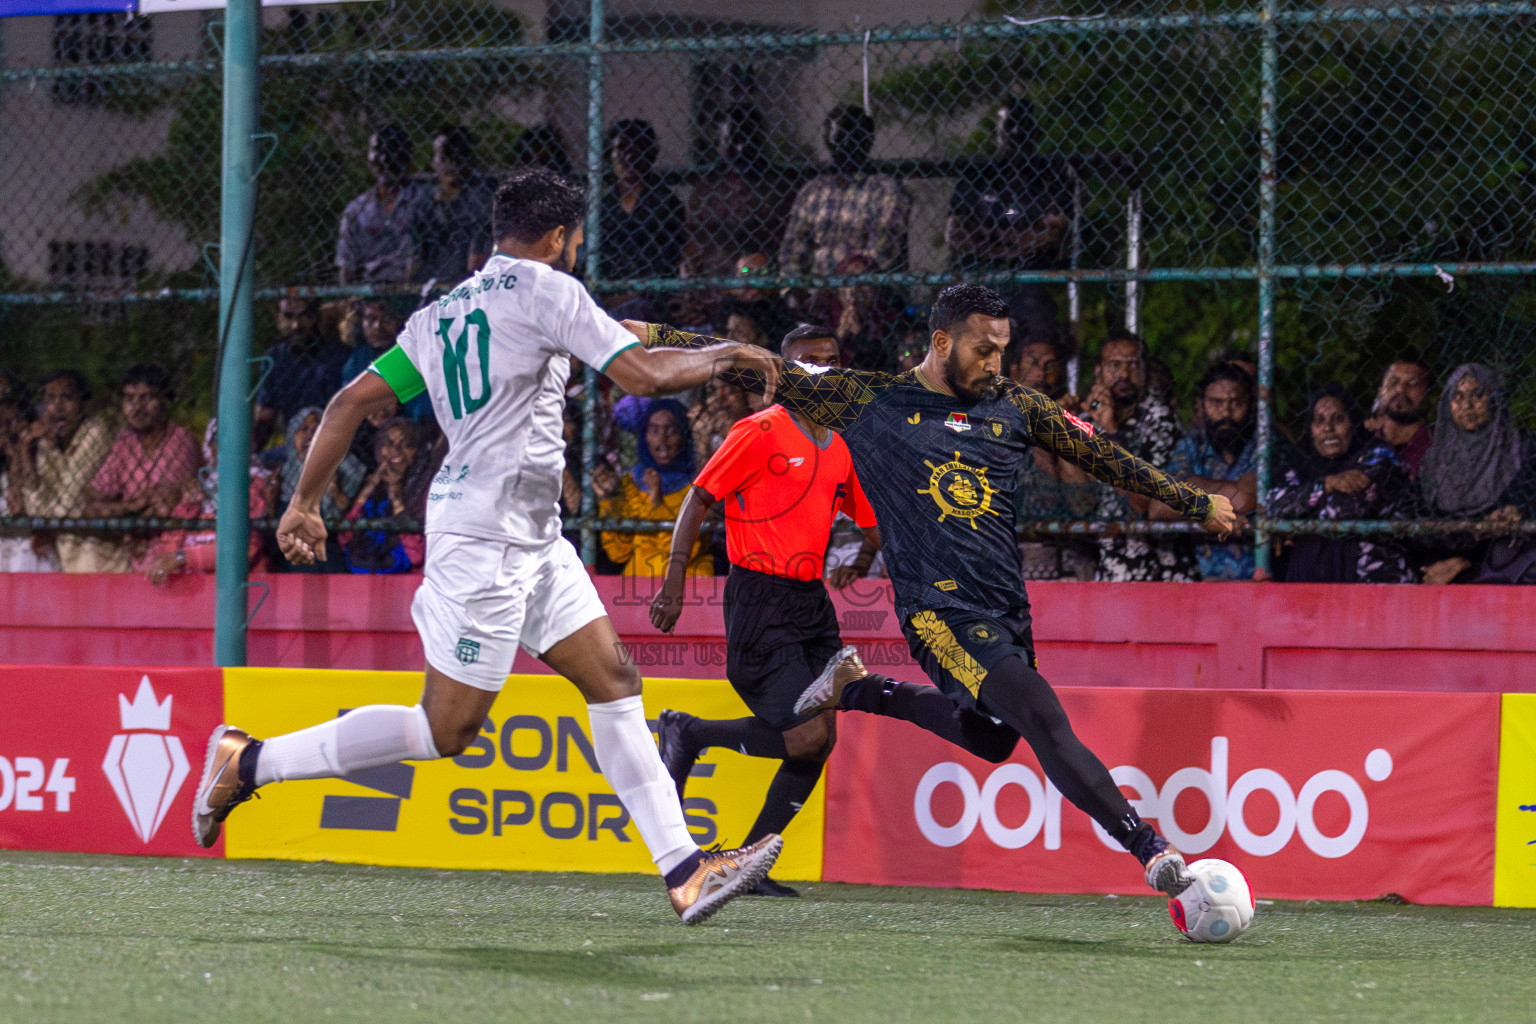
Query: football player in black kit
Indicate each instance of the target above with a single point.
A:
(938, 450)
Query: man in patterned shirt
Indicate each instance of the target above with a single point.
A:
(1125, 407)
(938, 450)
(847, 210)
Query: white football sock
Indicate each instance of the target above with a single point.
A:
(627, 755)
(366, 737)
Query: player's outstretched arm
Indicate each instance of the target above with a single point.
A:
(301, 531)
(1070, 438)
(647, 371)
(831, 398)
(667, 605)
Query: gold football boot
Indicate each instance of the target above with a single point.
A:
(827, 690)
(220, 790)
(722, 876)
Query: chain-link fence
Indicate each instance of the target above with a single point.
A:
(1257, 241)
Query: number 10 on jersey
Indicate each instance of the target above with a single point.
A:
(461, 398)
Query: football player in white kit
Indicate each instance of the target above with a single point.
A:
(494, 355)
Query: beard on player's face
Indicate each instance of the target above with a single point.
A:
(969, 382)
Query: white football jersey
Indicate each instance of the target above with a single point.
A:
(494, 356)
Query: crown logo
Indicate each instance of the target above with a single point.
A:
(145, 712)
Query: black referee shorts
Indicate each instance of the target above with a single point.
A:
(779, 635)
(957, 648)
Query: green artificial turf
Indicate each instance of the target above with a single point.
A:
(112, 938)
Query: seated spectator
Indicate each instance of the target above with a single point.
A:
(397, 489)
(379, 323)
(1013, 212)
(712, 418)
(55, 462)
(349, 475)
(1477, 467)
(1402, 403)
(456, 240)
(740, 204)
(847, 209)
(641, 221)
(147, 470)
(306, 368)
(1135, 414)
(654, 489)
(197, 550)
(1340, 472)
(864, 315)
(1045, 493)
(755, 321)
(381, 230)
(18, 553)
(1041, 363)
(541, 145)
(1219, 455)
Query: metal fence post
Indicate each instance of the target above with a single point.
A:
(1268, 121)
(236, 279)
(594, 242)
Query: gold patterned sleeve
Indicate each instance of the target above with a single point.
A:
(831, 398)
(1062, 434)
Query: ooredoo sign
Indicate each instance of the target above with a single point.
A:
(1323, 795)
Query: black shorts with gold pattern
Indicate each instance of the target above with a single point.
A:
(957, 648)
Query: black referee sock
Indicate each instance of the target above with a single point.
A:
(750, 736)
(927, 708)
(790, 789)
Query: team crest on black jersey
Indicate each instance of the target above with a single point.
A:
(998, 430)
(983, 633)
(960, 490)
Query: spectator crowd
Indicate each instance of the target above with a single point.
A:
(1422, 450)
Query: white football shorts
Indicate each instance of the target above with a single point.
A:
(479, 599)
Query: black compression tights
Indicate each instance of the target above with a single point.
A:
(1022, 698)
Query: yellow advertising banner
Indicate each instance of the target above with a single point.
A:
(526, 795)
(1514, 863)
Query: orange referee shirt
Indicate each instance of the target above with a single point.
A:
(781, 492)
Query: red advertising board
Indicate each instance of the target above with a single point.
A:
(104, 760)
(1326, 795)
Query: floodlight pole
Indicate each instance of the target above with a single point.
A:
(242, 21)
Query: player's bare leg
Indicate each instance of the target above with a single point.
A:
(449, 717)
(698, 882)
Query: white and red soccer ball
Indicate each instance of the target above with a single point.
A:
(1218, 907)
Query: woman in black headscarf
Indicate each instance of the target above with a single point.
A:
(1339, 472)
(1474, 469)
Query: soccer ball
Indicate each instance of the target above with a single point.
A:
(1218, 907)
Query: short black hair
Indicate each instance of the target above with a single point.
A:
(75, 377)
(151, 374)
(960, 301)
(458, 144)
(1409, 357)
(1229, 371)
(533, 202)
(394, 147)
(805, 332)
(638, 140)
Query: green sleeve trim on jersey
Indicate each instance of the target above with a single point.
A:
(400, 374)
(626, 348)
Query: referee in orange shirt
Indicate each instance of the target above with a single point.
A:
(783, 480)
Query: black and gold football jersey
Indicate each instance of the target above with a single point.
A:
(941, 471)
